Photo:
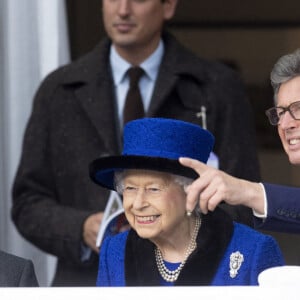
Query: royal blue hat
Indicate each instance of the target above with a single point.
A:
(155, 144)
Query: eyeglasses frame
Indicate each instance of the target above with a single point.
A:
(268, 112)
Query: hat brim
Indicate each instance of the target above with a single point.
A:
(102, 170)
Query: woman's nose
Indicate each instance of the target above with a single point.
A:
(140, 199)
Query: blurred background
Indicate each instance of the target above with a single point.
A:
(43, 34)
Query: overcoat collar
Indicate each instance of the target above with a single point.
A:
(213, 238)
(91, 77)
(177, 60)
(178, 63)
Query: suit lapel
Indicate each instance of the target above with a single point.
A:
(177, 63)
(92, 82)
(165, 84)
(97, 99)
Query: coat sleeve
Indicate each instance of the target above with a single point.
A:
(267, 255)
(283, 213)
(103, 271)
(111, 270)
(16, 271)
(28, 277)
(38, 213)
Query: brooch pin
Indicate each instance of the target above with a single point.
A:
(236, 259)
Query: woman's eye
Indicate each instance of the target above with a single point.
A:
(154, 190)
(130, 188)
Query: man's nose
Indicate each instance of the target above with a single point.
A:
(287, 121)
(124, 7)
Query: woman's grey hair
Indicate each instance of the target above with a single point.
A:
(119, 177)
(285, 69)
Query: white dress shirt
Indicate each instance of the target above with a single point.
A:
(146, 84)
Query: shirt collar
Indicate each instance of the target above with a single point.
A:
(150, 65)
(118, 64)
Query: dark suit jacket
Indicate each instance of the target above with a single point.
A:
(74, 121)
(16, 271)
(283, 209)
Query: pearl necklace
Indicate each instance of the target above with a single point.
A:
(171, 276)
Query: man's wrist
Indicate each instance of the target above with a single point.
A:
(262, 215)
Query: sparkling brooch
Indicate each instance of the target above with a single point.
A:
(236, 259)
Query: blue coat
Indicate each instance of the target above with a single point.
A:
(283, 209)
(128, 260)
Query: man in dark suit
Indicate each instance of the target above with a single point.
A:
(77, 116)
(276, 207)
(16, 271)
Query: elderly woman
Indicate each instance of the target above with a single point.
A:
(167, 245)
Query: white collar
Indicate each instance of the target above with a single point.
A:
(150, 65)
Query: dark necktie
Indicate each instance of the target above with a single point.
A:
(134, 108)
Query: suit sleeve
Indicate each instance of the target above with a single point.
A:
(16, 271)
(28, 277)
(283, 209)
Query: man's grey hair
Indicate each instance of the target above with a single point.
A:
(285, 69)
(119, 178)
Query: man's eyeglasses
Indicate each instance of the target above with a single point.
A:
(274, 114)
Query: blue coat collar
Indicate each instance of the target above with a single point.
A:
(213, 238)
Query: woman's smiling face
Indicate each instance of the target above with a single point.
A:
(154, 204)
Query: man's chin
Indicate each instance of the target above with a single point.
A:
(124, 41)
(294, 159)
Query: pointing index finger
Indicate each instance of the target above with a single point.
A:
(196, 165)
